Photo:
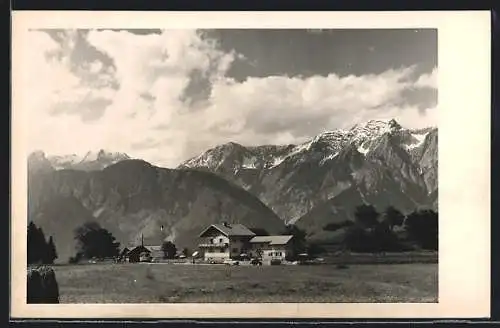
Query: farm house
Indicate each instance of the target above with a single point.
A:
(225, 241)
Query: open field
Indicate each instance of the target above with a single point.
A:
(153, 283)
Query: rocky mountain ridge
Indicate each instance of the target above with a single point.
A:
(89, 161)
(378, 156)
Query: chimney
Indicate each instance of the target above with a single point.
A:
(142, 240)
(225, 224)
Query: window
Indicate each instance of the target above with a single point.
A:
(220, 240)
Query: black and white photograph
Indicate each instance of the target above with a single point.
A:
(232, 165)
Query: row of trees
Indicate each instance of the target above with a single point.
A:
(372, 231)
(40, 250)
(93, 241)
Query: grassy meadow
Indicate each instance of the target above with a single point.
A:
(168, 283)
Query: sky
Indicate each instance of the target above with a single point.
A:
(167, 95)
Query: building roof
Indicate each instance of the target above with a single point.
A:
(139, 249)
(153, 248)
(231, 229)
(272, 240)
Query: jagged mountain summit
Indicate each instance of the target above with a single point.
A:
(235, 156)
(379, 157)
(89, 161)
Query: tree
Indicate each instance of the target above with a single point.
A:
(95, 241)
(366, 216)
(298, 240)
(393, 217)
(185, 251)
(383, 239)
(36, 244)
(39, 250)
(169, 250)
(50, 253)
(422, 228)
(357, 239)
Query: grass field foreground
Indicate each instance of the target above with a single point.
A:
(169, 283)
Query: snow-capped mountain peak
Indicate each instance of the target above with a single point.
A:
(378, 160)
(327, 144)
(381, 125)
(100, 155)
(89, 161)
(372, 129)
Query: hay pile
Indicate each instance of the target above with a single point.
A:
(42, 285)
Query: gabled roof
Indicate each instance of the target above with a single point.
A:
(139, 249)
(125, 251)
(272, 240)
(231, 229)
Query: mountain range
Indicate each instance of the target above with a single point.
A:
(90, 161)
(378, 161)
(311, 184)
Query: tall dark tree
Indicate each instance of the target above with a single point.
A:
(393, 217)
(366, 216)
(95, 241)
(36, 244)
(50, 252)
(169, 250)
(422, 228)
(32, 243)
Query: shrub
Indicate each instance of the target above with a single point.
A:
(42, 286)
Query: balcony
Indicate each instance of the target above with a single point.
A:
(209, 245)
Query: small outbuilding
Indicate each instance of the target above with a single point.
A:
(137, 253)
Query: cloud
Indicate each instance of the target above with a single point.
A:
(428, 80)
(137, 104)
(95, 67)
